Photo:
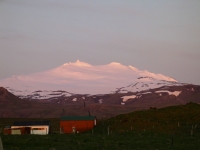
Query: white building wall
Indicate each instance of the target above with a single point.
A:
(41, 131)
(36, 129)
(16, 131)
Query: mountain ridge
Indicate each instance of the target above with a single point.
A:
(83, 78)
(104, 105)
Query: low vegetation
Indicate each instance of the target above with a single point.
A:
(175, 127)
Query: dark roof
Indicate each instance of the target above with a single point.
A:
(78, 118)
(30, 123)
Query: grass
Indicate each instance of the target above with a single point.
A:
(157, 129)
(171, 120)
(117, 141)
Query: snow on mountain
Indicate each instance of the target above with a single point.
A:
(83, 78)
(176, 93)
(125, 98)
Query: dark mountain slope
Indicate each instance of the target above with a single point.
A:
(108, 105)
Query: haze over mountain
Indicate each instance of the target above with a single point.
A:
(83, 78)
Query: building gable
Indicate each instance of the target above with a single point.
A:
(78, 118)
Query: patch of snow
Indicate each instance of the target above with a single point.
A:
(125, 98)
(139, 86)
(100, 101)
(74, 99)
(122, 103)
(83, 97)
(176, 93)
(123, 91)
(146, 93)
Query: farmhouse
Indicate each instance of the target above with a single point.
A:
(76, 124)
(21, 130)
(30, 127)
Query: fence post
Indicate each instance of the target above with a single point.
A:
(1, 145)
(172, 141)
(195, 126)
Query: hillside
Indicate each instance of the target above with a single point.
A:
(179, 119)
(174, 127)
(108, 105)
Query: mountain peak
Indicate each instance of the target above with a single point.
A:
(78, 63)
(115, 63)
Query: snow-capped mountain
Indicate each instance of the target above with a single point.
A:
(83, 78)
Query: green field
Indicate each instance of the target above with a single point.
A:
(174, 128)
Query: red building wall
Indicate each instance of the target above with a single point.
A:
(80, 125)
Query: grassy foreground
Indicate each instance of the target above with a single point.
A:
(174, 128)
(122, 141)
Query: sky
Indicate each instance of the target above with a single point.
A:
(155, 35)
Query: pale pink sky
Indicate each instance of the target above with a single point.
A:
(158, 36)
